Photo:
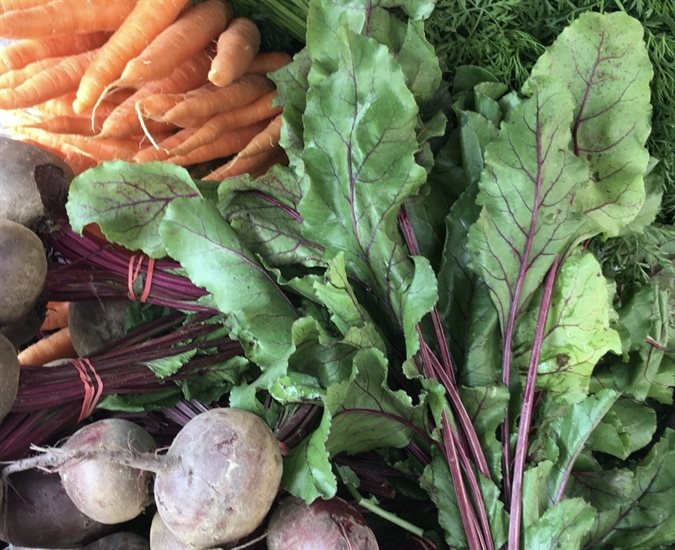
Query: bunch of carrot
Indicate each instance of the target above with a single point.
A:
(140, 80)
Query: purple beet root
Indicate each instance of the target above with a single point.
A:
(324, 525)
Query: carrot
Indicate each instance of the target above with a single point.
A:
(242, 91)
(188, 75)
(151, 153)
(99, 149)
(260, 109)
(65, 17)
(141, 26)
(16, 77)
(63, 105)
(239, 165)
(55, 346)
(56, 317)
(53, 82)
(268, 62)
(66, 124)
(264, 141)
(10, 5)
(227, 143)
(237, 46)
(18, 55)
(156, 105)
(180, 41)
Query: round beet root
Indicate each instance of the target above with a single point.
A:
(20, 198)
(9, 376)
(23, 270)
(163, 539)
(39, 513)
(227, 473)
(324, 525)
(100, 487)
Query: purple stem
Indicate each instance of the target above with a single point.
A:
(527, 411)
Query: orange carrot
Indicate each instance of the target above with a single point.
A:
(65, 17)
(56, 317)
(260, 109)
(16, 77)
(10, 5)
(264, 141)
(237, 46)
(18, 55)
(188, 75)
(53, 82)
(227, 143)
(180, 41)
(151, 153)
(268, 62)
(57, 345)
(156, 105)
(67, 124)
(239, 165)
(63, 105)
(99, 149)
(242, 91)
(141, 26)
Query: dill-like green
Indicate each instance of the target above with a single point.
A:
(507, 36)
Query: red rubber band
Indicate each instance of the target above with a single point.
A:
(135, 267)
(92, 390)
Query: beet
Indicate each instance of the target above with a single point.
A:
(228, 474)
(101, 488)
(9, 376)
(39, 513)
(324, 525)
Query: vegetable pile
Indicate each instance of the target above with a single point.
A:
(146, 84)
(410, 333)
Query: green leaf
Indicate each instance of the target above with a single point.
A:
(211, 385)
(526, 188)
(128, 201)
(419, 62)
(307, 471)
(258, 313)
(170, 365)
(570, 434)
(602, 60)
(366, 413)
(437, 481)
(361, 164)
(486, 407)
(578, 329)
(643, 512)
(141, 402)
(626, 428)
(536, 495)
(562, 526)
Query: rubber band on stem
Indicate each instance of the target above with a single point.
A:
(135, 267)
(93, 388)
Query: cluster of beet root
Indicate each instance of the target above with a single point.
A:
(80, 478)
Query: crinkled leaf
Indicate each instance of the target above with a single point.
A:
(308, 474)
(525, 190)
(578, 329)
(570, 434)
(419, 62)
(361, 165)
(602, 59)
(626, 428)
(128, 201)
(562, 526)
(296, 388)
(292, 85)
(258, 313)
(211, 385)
(366, 413)
(643, 511)
(648, 309)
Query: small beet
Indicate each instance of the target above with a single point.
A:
(101, 488)
(324, 525)
(9, 376)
